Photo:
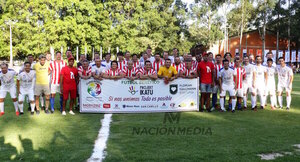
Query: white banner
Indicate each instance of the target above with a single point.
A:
(125, 96)
(274, 55)
(293, 59)
(265, 55)
(298, 55)
(280, 53)
(287, 56)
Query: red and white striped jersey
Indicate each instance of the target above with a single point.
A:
(189, 72)
(178, 67)
(148, 72)
(240, 74)
(85, 72)
(55, 68)
(136, 64)
(131, 73)
(218, 67)
(157, 65)
(195, 64)
(122, 65)
(111, 72)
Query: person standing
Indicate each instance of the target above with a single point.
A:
(205, 71)
(7, 85)
(68, 85)
(270, 89)
(285, 80)
(55, 69)
(42, 83)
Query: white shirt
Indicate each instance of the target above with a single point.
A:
(31, 67)
(27, 80)
(260, 75)
(271, 71)
(249, 69)
(284, 75)
(7, 80)
(106, 64)
(227, 76)
(98, 70)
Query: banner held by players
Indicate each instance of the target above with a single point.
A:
(125, 96)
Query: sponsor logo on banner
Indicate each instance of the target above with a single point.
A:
(182, 104)
(192, 103)
(94, 89)
(132, 90)
(163, 105)
(172, 105)
(106, 105)
(173, 89)
(116, 106)
(146, 90)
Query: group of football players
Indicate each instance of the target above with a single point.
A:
(39, 82)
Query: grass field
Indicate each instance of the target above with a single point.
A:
(232, 137)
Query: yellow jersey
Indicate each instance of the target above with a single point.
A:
(41, 73)
(167, 72)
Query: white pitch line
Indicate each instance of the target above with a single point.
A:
(100, 143)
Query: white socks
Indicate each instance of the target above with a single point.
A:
(253, 101)
(2, 106)
(42, 101)
(280, 101)
(273, 100)
(222, 103)
(288, 101)
(233, 103)
(16, 106)
(21, 107)
(32, 105)
(245, 101)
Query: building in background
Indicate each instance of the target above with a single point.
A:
(252, 44)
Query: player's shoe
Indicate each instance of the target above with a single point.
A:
(37, 112)
(21, 113)
(254, 108)
(245, 108)
(64, 113)
(222, 110)
(212, 109)
(261, 107)
(17, 113)
(32, 112)
(288, 108)
(71, 112)
(2, 113)
(233, 111)
(47, 111)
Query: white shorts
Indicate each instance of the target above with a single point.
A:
(230, 89)
(247, 88)
(259, 90)
(55, 88)
(239, 92)
(215, 89)
(281, 88)
(30, 94)
(11, 90)
(270, 89)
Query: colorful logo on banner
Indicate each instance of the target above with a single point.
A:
(132, 90)
(94, 89)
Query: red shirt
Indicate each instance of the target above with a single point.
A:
(206, 70)
(69, 77)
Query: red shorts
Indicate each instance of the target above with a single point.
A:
(72, 93)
